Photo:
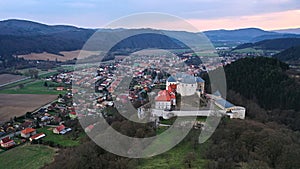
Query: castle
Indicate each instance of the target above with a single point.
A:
(187, 85)
(183, 84)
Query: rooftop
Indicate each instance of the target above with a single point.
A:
(28, 130)
(224, 103)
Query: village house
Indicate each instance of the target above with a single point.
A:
(61, 129)
(37, 137)
(26, 133)
(58, 129)
(166, 98)
(7, 142)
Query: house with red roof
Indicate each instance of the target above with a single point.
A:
(26, 133)
(37, 137)
(7, 142)
(59, 129)
(165, 99)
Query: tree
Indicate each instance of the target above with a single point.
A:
(33, 73)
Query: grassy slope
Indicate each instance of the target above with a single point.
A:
(174, 158)
(27, 156)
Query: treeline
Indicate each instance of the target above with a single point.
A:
(272, 44)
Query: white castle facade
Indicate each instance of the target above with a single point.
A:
(187, 85)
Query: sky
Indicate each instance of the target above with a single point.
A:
(203, 14)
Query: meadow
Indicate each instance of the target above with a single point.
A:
(32, 87)
(27, 156)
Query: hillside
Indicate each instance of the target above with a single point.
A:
(25, 37)
(265, 82)
(242, 35)
(271, 44)
(294, 31)
(291, 55)
(28, 28)
(264, 139)
(233, 38)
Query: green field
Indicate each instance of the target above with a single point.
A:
(175, 158)
(17, 83)
(63, 140)
(35, 87)
(27, 156)
(254, 50)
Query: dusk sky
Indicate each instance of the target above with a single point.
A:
(203, 14)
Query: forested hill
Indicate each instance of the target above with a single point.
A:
(272, 44)
(291, 55)
(242, 35)
(264, 81)
(269, 136)
(24, 37)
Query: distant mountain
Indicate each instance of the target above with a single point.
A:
(292, 31)
(232, 38)
(28, 28)
(291, 55)
(24, 37)
(271, 44)
(236, 35)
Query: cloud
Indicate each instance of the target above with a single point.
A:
(269, 21)
(70, 11)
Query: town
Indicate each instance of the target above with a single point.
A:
(156, 85)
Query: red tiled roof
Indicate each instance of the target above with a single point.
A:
(6, 140)
(60, 128)
(37, 136)
(163, 96)
(27, 130)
